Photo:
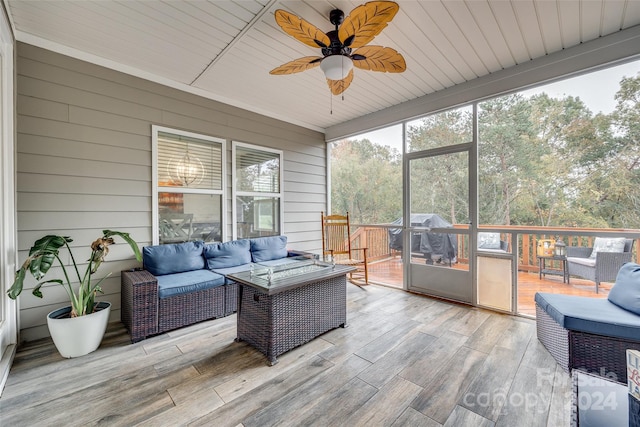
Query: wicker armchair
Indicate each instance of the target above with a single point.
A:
(606, 267)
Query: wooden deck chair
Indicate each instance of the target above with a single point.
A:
(336, 242)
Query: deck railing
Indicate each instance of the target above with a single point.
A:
(376, 239)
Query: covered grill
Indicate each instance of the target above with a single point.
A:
(435, 247)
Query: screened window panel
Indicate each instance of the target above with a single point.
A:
(441, 129)
(257, 171)
(189, 162)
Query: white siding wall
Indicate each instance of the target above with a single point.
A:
(84, 163)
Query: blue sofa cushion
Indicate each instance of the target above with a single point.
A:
(170, 285)
(268, 248)
(592, 315)
(231, 270)
(227, 254)
(625, 293)
(174, 258)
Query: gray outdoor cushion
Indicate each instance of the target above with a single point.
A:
(592, 315)
(589, 262)
(625, 292)
(613, 244)
(190, 281)
(174, 258)
(488, 240)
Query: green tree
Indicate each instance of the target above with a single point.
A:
(507, 143)
(612, 165)
(439, 184)
(366, 181)
(542, 161)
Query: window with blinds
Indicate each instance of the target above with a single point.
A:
(257, 191)
(189, 186)
(189, 162)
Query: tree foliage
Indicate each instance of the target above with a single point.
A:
(542, 161)
(366, 181)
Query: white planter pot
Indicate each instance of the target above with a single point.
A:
(77, 336)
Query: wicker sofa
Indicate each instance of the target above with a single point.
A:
(185, 283)
(593, 334)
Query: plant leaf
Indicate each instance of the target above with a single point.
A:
(44, 252)
(301, 30)
(127, 238)
(367, 21)
(36, 291)
(18, 283)
(378, 58)
(297, 65)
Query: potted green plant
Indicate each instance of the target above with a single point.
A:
(77, 329)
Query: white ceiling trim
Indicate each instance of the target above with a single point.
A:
(237, 38)
(136, 72)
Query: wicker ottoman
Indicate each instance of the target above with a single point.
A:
(591, 352)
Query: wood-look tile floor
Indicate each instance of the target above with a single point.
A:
(403, 360)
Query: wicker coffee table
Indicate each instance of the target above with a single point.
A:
(280, 308)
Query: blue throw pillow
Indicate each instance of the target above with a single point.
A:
(268, 248)
(227, 254)
(625, 293)
(174, 258)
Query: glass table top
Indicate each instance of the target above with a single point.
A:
(294, 271)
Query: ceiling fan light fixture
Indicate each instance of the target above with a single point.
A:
(336, 67)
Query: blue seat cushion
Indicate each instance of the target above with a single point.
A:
(171, 285)
(174, 258)
(592, 315)
(268, 248)
(227, 254)
(231, 270)
(625, 293)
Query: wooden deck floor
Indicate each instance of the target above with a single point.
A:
(404, 360)
(389, 272)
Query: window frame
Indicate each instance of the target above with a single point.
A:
(235, 193)
(155, 130)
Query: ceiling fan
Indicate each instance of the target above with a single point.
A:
(353, 32)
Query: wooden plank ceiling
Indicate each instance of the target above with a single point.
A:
(225, 49)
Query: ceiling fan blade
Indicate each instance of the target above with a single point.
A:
(339, 86)
(297, 65)
(365, 22)
(378, 58)
(301, 30)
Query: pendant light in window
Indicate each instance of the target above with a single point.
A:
(186, 170)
